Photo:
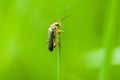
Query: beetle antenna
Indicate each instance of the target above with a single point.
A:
(65, 17)
(64, 10)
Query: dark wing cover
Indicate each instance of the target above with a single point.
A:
(50, 39)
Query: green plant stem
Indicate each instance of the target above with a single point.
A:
(59, 57)
(109, 40)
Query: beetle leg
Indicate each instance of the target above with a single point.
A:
(54, 43)
(59, 31)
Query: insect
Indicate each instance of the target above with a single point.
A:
(53, 32)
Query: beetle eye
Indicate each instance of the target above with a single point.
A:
(56, 24)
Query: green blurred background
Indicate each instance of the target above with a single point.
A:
(90, 42)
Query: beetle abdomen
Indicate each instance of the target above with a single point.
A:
(50, 39)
